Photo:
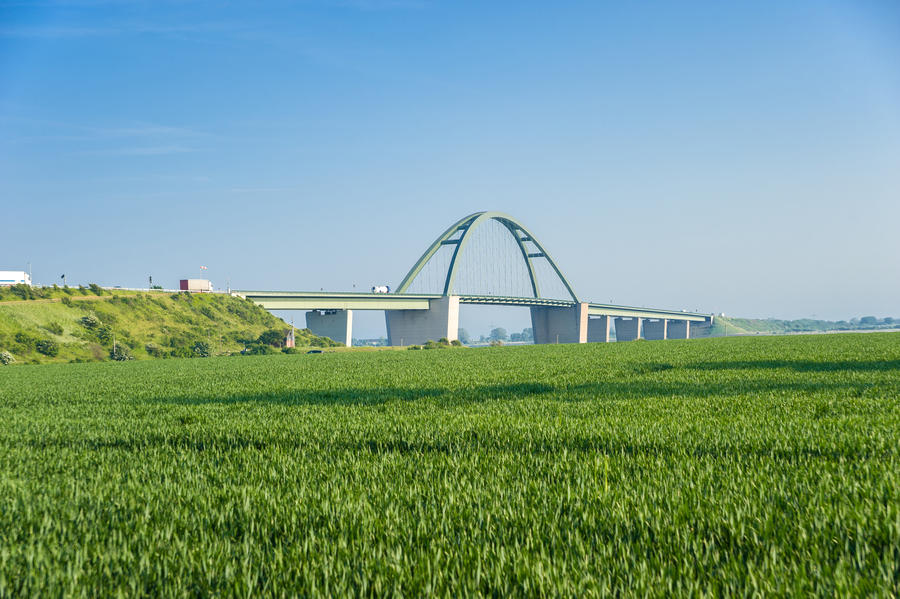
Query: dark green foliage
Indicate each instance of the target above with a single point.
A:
(155, 351)
(96, 289)
(273, 337)
(258, 349)
(26, 340)
(48, 347)
(90, 322)
(456, 343)
(55, 328)
(120, 353)
(22, 291)
(67, 301)
(290, 350)
(202, 349)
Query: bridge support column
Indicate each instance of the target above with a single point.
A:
(628, 329)
(679, 329)
(337, 325)
(655, 329)
(414, 327)
(598, 330)
(560, 325)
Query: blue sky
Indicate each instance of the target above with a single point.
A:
(736, 157)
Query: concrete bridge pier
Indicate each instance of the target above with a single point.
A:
(598, 330)
(628, 329)
(655, 329)
(553, 324)
(337, 325)
(679, 329)
(414, 327)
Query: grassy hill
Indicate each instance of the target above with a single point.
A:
(82, 324)
(773, 326)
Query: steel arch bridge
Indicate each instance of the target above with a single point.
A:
(414, 317)
(459, 234)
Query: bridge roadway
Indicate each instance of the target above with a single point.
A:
(415, 318)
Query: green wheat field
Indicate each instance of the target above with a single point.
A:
(740, 466)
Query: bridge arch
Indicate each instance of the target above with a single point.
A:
(460, 233)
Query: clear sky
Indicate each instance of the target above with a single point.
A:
(721, 156)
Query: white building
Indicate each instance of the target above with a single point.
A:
(14, 277)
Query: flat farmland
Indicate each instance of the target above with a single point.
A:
(740, 466)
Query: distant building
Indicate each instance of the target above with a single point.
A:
(9, 278)
(289, 339)
(196, 285)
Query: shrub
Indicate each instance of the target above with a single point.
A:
(25, 340)
(273, 337)
(154, 350)
(202, 349)
(414, 347)
(6, 358)
(90, 322)
(48, 347)
(55, 328)
(104, 333)
(22, 291)
(120, 353)
(67, 301)
(258, 349)
(290, 350)
(182, 352)
(96, 289)
(83, 290)
(456, 343)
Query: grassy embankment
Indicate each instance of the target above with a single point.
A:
(723, 325)
(726, 467)
(50, 325)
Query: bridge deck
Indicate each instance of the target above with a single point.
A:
(328, 300)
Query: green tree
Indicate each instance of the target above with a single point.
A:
(273, 337)
(498, 334)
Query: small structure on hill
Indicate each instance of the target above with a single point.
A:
(196, 285)
(289, 339)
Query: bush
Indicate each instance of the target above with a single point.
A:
(96, 289)
(90, 322)
(48, 347)
(154, 350)
(414, 347)
(120, 353)
(6, 358)
(456, 343)
(104, 334)
(25, 340)
(273, 337)
(290, 350)
(182, 352)
(67, 301)
(55, 328)
(202, 349)
(258, 349)
(22, 291)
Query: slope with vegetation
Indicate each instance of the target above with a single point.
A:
(771, 326)
(90, 323)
